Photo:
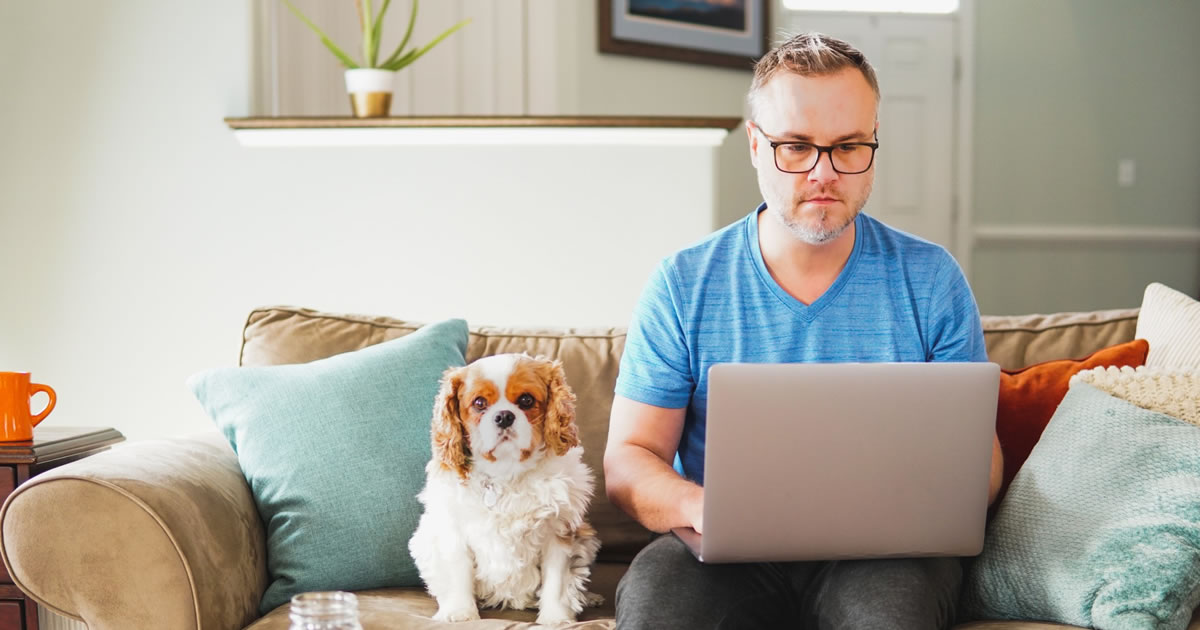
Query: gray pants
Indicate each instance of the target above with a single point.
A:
(666, 587)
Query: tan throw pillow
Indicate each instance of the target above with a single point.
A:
(1170, 321)
(1171, 391)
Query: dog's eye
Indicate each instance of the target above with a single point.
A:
(480, 403)
(525, 401)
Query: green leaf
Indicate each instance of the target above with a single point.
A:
(414, 54)
(368, 29)
(333, 48)
(399, 62)
(412, 20)
(377, 36)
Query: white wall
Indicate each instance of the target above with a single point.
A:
(136, 234)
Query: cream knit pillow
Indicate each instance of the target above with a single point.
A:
(1171, 391)
(1170, 321)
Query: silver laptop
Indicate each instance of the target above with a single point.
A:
(812, 461)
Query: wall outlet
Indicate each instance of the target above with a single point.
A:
(1125, 172)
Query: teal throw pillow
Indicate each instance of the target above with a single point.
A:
(1101, 527)
(335, 452)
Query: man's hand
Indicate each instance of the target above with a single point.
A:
(997, 474)
(638, 477)
(693, 507)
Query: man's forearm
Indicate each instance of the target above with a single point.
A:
(650, 491)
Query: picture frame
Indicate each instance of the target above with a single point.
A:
(730, 33)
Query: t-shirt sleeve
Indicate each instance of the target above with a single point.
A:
(655, 366)
(955, 331)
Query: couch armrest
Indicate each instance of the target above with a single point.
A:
(153, 534)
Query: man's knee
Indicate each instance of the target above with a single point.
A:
(899, 593)
(664, 561)
(666, 587)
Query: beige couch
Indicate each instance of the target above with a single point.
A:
(164, 534)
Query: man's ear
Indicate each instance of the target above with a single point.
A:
(753, 137)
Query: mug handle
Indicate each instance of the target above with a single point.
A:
(35, 388)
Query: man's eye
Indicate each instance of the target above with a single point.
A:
(848, 148)
(480, 403)
(798, 149)
(525, 401)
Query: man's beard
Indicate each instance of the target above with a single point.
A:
(817, 232)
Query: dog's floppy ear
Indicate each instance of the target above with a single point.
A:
(559, 428)
(450, 448)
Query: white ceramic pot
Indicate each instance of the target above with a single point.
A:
(370, 91)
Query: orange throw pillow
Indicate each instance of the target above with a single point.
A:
(1029, 396)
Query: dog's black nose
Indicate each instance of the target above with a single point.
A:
(504, 419)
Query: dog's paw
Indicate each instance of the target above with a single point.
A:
(555, 616)
(591, 600)
(457, 613)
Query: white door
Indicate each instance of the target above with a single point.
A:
(914, 58)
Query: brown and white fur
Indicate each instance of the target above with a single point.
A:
(506, 493)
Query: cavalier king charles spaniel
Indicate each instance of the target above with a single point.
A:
(505, 494)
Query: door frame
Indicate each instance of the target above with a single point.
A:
(964, 111)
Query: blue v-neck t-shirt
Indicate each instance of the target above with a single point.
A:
(899, 298)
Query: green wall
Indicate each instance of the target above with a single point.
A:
(1064, 89)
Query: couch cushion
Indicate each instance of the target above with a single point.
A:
(1101, 527)
(1171, 323)
(335, 452)
(1173, 391)
(412, 609)
(1021, 340)
(282, 335)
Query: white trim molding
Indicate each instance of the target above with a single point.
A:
(459, 136)
(487, 130)
(1021, 234)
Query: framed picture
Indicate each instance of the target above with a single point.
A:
(729, 33)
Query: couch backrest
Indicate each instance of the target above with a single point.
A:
(280, 335)
(1018, 341)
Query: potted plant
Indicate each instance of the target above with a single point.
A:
(371, 82)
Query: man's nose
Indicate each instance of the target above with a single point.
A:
(823, 171)
(504, 419)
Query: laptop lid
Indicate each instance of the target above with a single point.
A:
(820, 461)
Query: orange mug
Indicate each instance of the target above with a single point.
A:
(16, 416)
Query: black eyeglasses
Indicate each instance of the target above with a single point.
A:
(847, 158)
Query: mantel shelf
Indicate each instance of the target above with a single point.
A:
(475, 130)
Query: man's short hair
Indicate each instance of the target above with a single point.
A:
(810, 55)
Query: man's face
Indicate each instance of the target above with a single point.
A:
(819, 205)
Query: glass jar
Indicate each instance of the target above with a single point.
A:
(324, 610)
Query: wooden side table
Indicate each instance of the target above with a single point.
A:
(49, 448)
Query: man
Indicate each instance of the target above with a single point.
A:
(804, 278)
